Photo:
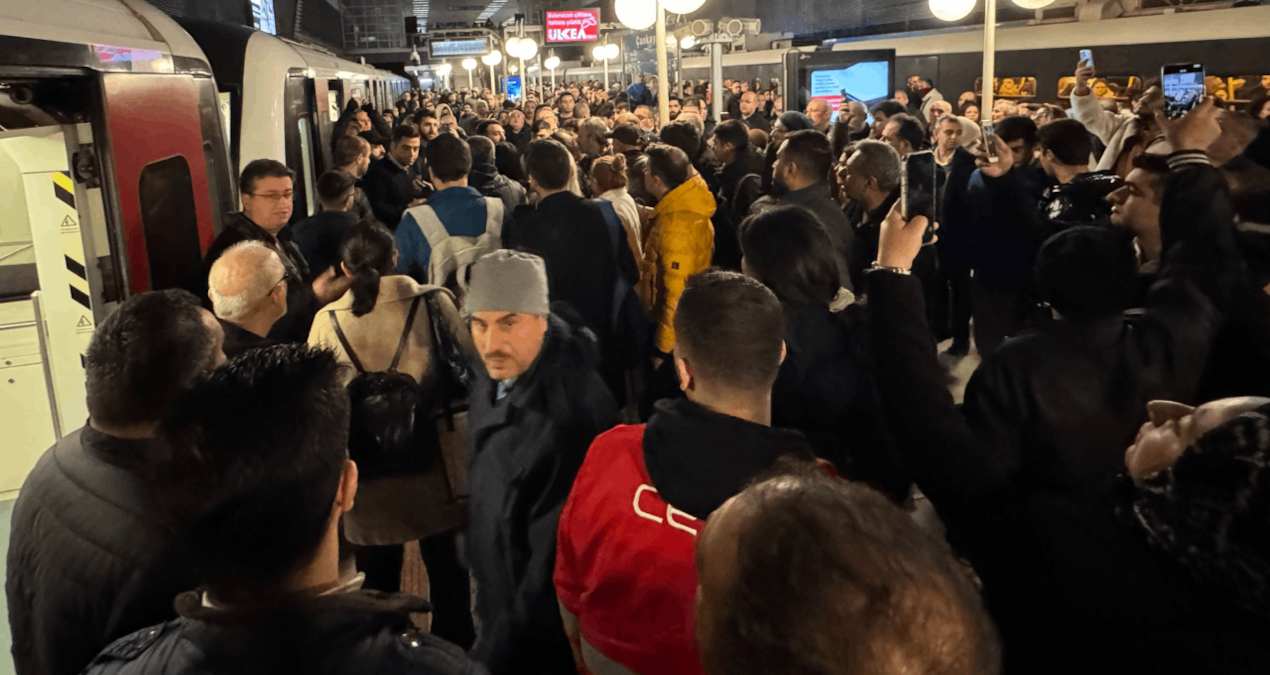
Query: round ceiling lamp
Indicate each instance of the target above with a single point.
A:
(951, 10)
(469, 64)
(1033, 4)
(682, 6)
(528, 49)
(611, 51)
(636, 14)
(552, 62)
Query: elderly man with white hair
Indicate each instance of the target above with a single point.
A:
(248, 289)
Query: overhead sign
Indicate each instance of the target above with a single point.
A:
(639, 55)
(582, 25)
(474, 47)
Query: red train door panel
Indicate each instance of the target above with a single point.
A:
(156, 144)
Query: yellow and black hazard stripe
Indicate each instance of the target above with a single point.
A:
(64, 188)
(73, 250)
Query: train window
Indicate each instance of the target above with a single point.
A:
(306, 154)
(1009, 87)
(170, 224)
(1109, 87)
(1240, 88)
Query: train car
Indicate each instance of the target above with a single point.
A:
(116, 178)
(1037, 59)
(284, 106)
(119, 153)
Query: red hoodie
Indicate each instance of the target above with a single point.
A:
(625, 564)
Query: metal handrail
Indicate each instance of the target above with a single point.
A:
(48, 365)
(15, 326)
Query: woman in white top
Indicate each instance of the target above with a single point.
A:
(608, 182)
(393, 509)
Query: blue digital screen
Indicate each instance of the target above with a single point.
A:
(513, 88)
(867, 82)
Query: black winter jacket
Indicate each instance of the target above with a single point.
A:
(344, 634)
(389, 189)
(817, 200)
(87, 561)
(826, 390)
(996, 470)
(302, 303)
(574, 239)
(319, 238)
(526, 451)
(956, 238)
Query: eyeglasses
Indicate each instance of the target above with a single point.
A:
(274, 196)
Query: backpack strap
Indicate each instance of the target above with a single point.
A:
(348, 349)
(494, 217)
(405, 334)
(433, 230)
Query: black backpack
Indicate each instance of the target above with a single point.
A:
(391, 430)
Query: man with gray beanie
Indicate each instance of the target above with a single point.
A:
(535, 408)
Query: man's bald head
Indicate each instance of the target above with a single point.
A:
(804, 572)
(243, 278)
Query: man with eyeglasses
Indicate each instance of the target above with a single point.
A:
(248, 289)
(267, 190)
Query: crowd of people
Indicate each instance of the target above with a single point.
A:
(670, 399)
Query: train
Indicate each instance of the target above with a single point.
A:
(1038, 58)
(122, 134)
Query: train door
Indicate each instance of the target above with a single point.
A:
(302, 141)
(158, 166)
(56, 282)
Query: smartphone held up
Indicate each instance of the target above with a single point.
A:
(918, 190)
(1183, 86)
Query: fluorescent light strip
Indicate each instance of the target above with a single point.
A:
(491, 9)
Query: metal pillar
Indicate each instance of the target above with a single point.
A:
(663, 82)
(989, 56)
(716, 80)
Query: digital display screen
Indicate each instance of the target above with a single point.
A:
(459, 47)
(867, 82)
(1183, 89)
(513, 88)
(581, 25)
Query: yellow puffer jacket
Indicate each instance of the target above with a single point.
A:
(681, 244)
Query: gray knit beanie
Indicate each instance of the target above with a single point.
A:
(508, 281)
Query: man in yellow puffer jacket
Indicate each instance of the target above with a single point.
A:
(682, 239)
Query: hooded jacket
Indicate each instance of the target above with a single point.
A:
(526, 450)
(489, 182)
(348, 633)
(680, 244)
(643, 494)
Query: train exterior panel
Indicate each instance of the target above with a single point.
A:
(119, 153)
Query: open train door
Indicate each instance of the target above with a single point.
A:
(55, 265)
(160, 177)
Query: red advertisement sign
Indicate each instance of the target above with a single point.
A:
(581, 25)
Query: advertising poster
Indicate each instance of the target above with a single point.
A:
(581, 25)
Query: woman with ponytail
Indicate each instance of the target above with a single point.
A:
(392, 510)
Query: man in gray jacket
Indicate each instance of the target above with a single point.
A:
(800, 177)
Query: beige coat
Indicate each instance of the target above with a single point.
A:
(396, 509)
